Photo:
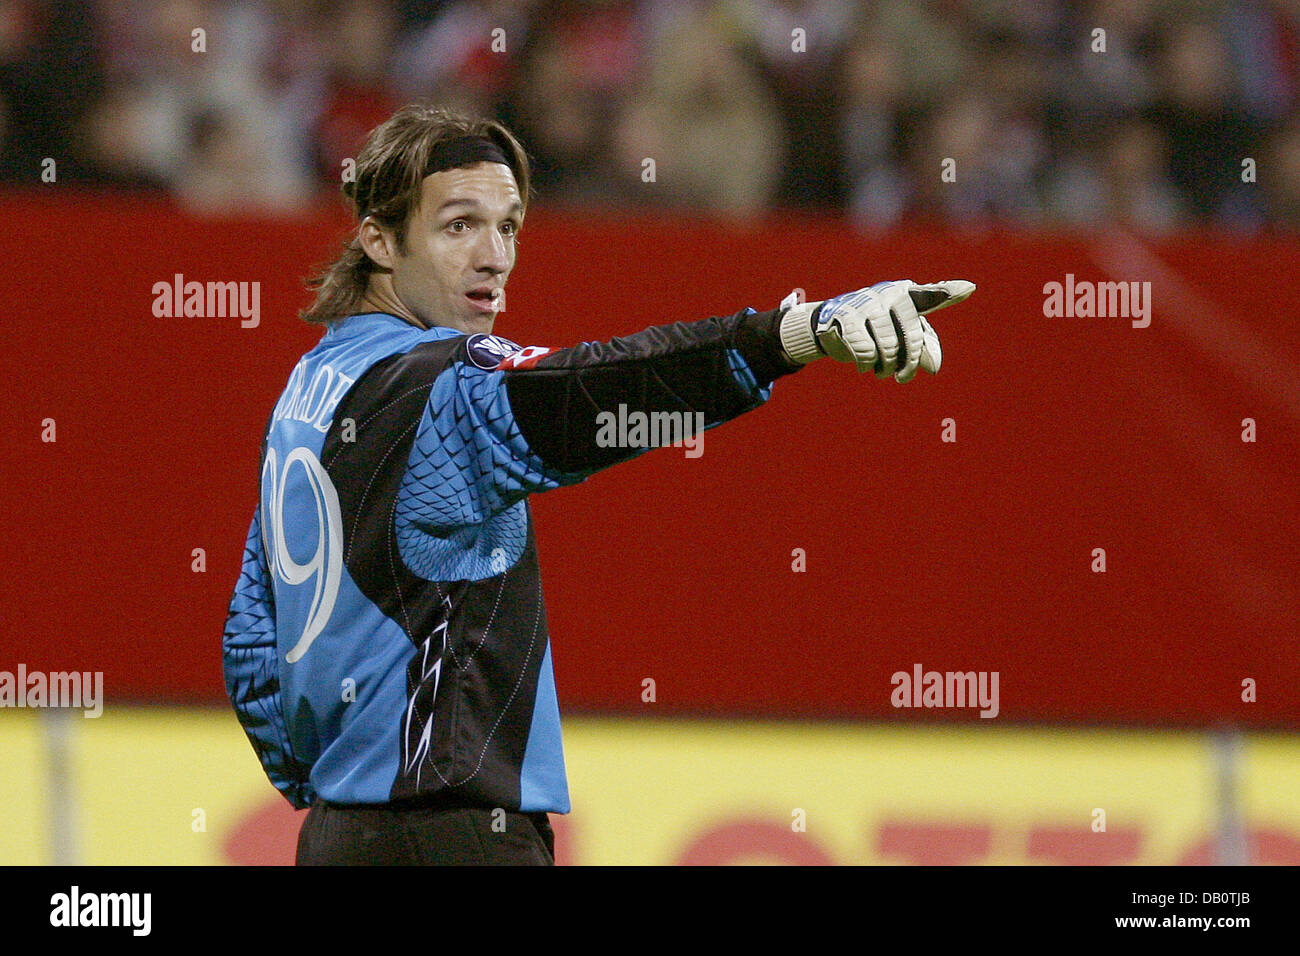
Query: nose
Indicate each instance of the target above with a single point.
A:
(493, 253)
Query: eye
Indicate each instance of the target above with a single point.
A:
(510, 228)
(458, 225)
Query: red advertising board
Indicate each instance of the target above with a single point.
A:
(849, 530)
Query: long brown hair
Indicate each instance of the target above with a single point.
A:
(389, 176)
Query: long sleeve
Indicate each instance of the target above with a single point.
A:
(717, 367)
(531, 420)
(252, 672)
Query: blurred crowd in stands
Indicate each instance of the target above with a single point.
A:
(1181, 113)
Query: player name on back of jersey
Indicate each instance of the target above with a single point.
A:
(312, 401)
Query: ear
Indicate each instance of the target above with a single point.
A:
(377, 243)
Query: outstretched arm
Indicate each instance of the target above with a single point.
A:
(501, 422)
(717, 367)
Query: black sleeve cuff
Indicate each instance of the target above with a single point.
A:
(758, 340)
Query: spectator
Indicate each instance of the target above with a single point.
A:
(744, 106)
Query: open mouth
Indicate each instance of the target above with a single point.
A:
(484, 299)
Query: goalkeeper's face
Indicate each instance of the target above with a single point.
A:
(460, 247)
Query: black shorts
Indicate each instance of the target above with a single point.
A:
(404, 835)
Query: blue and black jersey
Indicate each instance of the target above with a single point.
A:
(387, 637)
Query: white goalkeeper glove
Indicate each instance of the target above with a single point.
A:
(881, 329)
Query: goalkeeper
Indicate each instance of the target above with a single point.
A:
(386, 648)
